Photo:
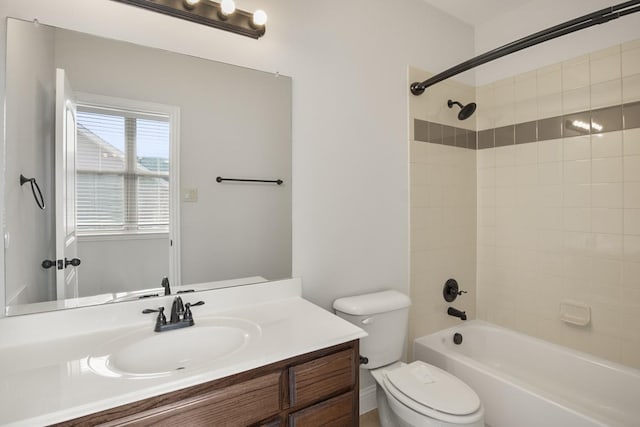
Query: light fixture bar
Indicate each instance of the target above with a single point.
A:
(206, 13)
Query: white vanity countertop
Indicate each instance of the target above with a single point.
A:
(44, 382)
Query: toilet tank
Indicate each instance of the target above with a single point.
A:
(384, 316)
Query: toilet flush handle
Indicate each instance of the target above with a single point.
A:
(368, 320)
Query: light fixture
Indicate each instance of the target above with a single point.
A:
(259, 18)
(223, 16)
(190, 4)
(227, 7)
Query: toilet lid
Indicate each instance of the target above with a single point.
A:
(434, 388)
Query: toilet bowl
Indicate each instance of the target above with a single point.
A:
(408, 395)
(419, 394)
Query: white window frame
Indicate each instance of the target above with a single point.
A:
(173, 112)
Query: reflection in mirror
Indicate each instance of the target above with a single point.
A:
(150, 133)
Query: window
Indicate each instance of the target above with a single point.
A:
(123, 159)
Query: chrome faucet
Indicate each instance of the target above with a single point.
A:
(181, 316)
(457, 313)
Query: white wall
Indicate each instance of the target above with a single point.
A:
(349, 64)
(537, 15)
(30, 98)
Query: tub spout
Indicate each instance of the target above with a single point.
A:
(457, 313)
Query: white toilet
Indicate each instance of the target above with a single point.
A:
(408, 395)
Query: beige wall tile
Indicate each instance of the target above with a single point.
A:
(526, 110)
(630, 61)
(631, 141)
(505, 156)
(550, 105)
(575, 73)
(549, 80)
(607, 195)
(632, 224)
(577, 172)
(606, 94)
(631, 195)
(550, 151)
(575, 100)
(605, 65)
(631, 88)
(606, 145)
(607, 221)
(631, 168)
(606, 170)
(577, 148)
(631, 248)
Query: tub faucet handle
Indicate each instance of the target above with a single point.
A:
(450, 291)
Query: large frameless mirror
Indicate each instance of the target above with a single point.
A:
(124, 143)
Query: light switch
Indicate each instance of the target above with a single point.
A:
(190, 194)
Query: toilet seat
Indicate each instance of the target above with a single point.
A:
(433, 392)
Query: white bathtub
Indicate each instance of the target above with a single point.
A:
(526, 382)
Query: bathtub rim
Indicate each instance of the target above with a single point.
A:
(606, 363)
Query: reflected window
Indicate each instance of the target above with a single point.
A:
(123, 160)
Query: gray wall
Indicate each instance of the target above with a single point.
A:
(29, 134)
(122, 265)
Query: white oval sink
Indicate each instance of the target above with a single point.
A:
(145, 353)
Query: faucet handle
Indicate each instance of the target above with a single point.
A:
(187, 310)
(161, 319)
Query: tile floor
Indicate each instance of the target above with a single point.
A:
(370, 419)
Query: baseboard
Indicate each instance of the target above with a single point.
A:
(368, 399)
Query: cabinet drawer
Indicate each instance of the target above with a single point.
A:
(237, 405)
(336, 412)
(315, 380)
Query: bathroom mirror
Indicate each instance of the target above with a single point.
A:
(219, 120)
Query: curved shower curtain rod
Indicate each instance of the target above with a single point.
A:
(594, 18)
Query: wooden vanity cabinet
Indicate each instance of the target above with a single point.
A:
(314, 389)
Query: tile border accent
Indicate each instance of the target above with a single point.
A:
(436, 133)
(589, 122)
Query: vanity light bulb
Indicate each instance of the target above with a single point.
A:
(191, 3)
(259, 18)
(227, 7)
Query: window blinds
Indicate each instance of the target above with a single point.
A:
(122, 171)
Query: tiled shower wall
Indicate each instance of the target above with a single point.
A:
(559, 201)
(443, 205)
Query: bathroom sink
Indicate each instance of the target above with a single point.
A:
(145, 353)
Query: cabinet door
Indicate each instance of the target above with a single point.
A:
(336, 412)
(321, 378)
(237, 405)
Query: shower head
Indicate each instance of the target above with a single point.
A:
(465, 110)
